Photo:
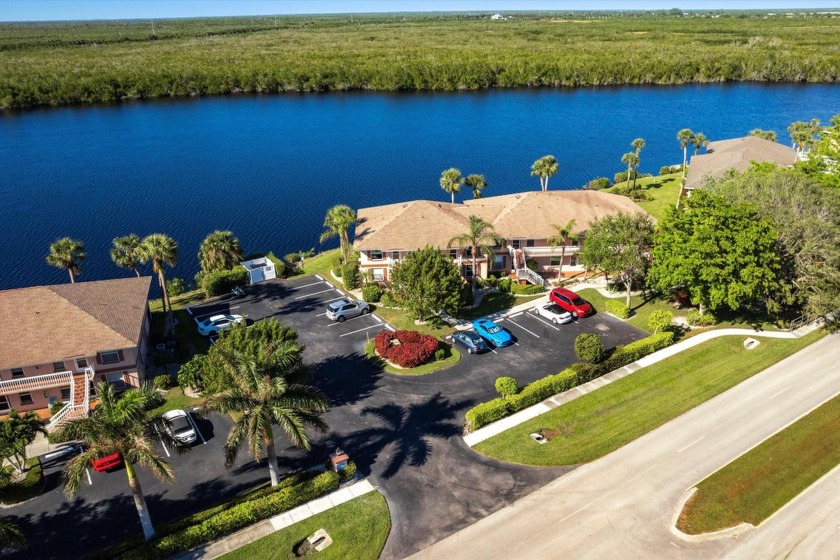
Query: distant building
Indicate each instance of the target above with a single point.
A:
(59, 342)
(738, 154)
(498, 17)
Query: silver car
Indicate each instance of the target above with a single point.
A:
(346, 309)
(179, 425)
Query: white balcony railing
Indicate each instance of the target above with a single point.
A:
(34, 383)
(549, 251)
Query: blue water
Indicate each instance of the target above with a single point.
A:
(269, 167)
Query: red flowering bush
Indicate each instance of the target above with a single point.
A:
(407, 349)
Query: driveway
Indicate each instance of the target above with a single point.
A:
(402, 431)
(621, 505)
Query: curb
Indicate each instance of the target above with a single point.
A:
(703, 537)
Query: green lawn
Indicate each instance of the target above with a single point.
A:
(661, 191)
(30, 486)
(492, 303)
(190, 340)
(175, 398)
(320, 264)
(641, 308)
(358, 529)
(399, 320)
(755, 485)
(451, 357)
(604, 420)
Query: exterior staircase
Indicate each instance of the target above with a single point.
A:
(79, 404)
(522, 271)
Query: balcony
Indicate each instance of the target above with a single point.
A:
(35, 383)
(549, 251)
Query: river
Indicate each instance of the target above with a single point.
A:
(268, 168)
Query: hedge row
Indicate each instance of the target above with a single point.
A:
(617, 308)
(226, 518)
(526, 289)
(223, 281)
(576, 374)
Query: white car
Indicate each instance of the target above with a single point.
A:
(218, 323)
(553, 313)
(179, 425)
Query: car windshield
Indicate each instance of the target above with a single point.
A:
(180, 425)
(554, 309)
(578, 301)
(494, 329)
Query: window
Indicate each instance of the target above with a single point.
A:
(81, 363)
(59, 366)
(379, 274)
(498, 262)
(110, 357)
(453, 253)
(375, 255)
(65, 394)
(468, 271)
(17, 372)
(25, 399)
(468, 252)
(91, 389)
(4, 404)
(574, 260)
(115, 380)
(555, 261)
(395, 255)
(515, 243)
(529, 242)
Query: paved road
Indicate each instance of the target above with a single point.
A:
(403, 431)
(621, 506)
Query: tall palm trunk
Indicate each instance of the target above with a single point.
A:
(453, 196)
(271, 453)
(685, 156)
(474, 265)
(562, 258)
(139, 501)
(137, 272)
(167, 305)
(72, 275)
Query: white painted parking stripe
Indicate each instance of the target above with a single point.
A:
(515, 314)
(524, 329)
(541, 320)
(319, 277)
(390, 328)
(308, 285)
(336, 323)
(335, 298)
(360, 330)
(87, 472)
(315, 293)
(378, 320)
(321, 314)
(701, 438)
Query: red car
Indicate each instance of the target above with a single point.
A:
(107, 462)
(571, 302)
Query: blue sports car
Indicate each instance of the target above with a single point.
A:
(492, 333)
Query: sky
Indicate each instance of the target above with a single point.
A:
(45, 10)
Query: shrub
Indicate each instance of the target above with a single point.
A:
(349, 472)
(223, 281)
(695, 319)
(175, 287)
(336, 262)
(622, 177)
(485, 413)
(660, 320)
(162, 382)
(526, 289)
(56, 406)
(598, 184)
(532, 264)
(466, 295)
(504, 284)
(542, 389)
(506, 386)
(639, 195)
(617, 308)
(623, 355)
(407, 349)
(387, 300)
(190, 373)
(350, 275)
(491, 281)
(440, 355)
(279, 265)
(589, 348)
(371, 293)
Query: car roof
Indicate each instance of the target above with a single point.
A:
(472, 335)
(339, 303)
(175, 414)
(565, 292)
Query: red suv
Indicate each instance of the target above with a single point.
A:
(106, 463)
(571, 302)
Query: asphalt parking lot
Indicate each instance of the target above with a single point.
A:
(403, 431)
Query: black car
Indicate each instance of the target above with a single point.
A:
(471, 341)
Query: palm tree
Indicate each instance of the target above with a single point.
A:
(544, 168)
(17, 432)
(161, 250)
(637, 145)
(67, 253)
(451, 181)
(262, 391)
(480, 238)
(766, 134)
(685, 136)
(120, 425)
(220, 250)
(699, 141)
(632, 160)
(124, 252)
(10, 534)
(477, 183)
(338, 221)
(559, 239)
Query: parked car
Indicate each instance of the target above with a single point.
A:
(179, 425)
(107, 462)
(571, 302)
(346, 309)
(553, 313)
(218, 323)
(492, 333)
(471, 341)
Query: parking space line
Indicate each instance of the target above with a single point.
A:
(321, 314)
(195, 426)
(541, 320)
(516, 314)
(378, 320)
(307, 285)
(360, 330)
(390, 328)
(524, 329)
(315, 293)
(197, 317)
(336, 323)
(319, 277)
(335, 298)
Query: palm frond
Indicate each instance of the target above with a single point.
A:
(11, 535)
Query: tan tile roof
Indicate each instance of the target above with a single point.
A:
(736, 153)
(533, 215)
(50, 323)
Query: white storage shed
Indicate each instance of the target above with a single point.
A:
(260, 270)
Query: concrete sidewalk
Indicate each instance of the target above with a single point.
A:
(268, 526)
(560, 399)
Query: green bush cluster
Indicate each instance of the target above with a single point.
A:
(223, 281)
(526, 289)
(696, 320)
(589, 348)
(670, 169)
(466, 295)
(371, 293)
(506, 386)
(440, 355)
(660, 320)
(505, 284)
(576, 374)
(387, 301)
(617, 308)
(350, 275)
(598, 184)
(162, 382)
(279, 265)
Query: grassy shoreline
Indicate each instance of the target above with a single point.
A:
(101, 62)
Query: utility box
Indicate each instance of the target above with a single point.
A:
(339, 460)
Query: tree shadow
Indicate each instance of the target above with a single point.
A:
(346, 379)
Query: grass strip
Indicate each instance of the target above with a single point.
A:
(451, 357)
(358, 529)
(604, 420)
(755, 485)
